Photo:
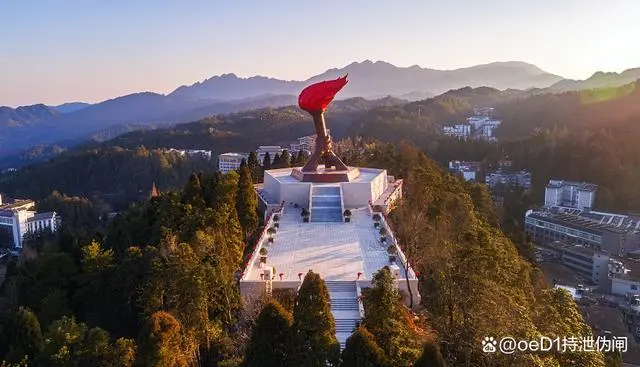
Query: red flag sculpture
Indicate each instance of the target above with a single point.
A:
(315, 99)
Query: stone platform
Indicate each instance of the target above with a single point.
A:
(323, 175)
(357, 187)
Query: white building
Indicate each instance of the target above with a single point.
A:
(305, 143)
(483, 127)
(578, 195)
(230, 161)
(460, 131)
(18, 218)
(468, 169)
(521, 178)
(191, 152)
(588, 262)
(271, 149)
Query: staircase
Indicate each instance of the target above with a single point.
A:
(326, 204)
(344, 306)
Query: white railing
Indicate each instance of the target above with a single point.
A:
(410, 273)
(360, 303)
(341, 204)
(263, 237)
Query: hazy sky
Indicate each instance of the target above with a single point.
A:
(54, 51)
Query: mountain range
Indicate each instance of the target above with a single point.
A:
(25, 127)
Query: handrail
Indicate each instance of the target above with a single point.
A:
(261, 239)
(341, 204)
(401, 255)
(360, 303)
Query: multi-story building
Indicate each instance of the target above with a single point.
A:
(588, 262)
(481, 125)
(191, 152)
(468, 169)
(305, 143)
(18, 219)
(612, 233)
(521, 178)
(230, 161)
(271, 149)
(578, 195)
(460, 131)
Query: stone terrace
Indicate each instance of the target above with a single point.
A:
(337, 251)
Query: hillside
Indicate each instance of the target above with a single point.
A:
(597, 80)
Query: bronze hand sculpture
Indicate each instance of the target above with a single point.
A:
(315, 99)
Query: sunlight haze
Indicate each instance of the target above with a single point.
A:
(55, 52)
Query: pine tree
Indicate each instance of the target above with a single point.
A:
(313, 342)
(23, 335)
(362, 351)
(277, 161)
(266, 162)
(431, 357)
(246, 202)
(268, 344)
(254, 166)
(252, 161)
(243, 163)
(285, 159)
(193, 192)
(162, 342)
(299, 159)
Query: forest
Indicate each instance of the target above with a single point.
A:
(156, 286)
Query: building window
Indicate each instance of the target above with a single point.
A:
(634, 287)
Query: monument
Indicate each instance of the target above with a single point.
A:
(315, 99)
(327, 217)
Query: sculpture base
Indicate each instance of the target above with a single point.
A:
(322, 175)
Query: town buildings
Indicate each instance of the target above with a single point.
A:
(615, 234)
(231, 161)
(468, 169)
(271, 149)
(305, 143)
(570, 194)
(520, 178)
(481, 125)
(588, 262)
(191, 152)
(18, 218)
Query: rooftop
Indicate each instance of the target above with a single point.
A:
(556, 184)
(235, 155)
(17, 204)
(590, 221)
(335, 250)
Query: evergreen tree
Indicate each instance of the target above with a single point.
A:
(243, 163)
(431, 357)
(22, 335)
(246, 202)
(361, 350)
(285, 159)
(162, 342)
(277, 161)
(268, 344)
(252, 161)
(193, 192)
(301, 158)
(254, 167)
(388, 320)
(266, 161)
(313, 342)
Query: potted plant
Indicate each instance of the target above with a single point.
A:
(392, 251)
(305, 215)
(271, 231)
(263, 255)
(376, 220)
(347, 215)
(276, 221)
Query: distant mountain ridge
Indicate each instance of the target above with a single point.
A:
(370, 79)
(597, 80)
